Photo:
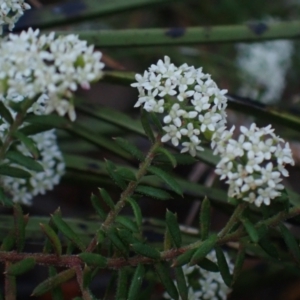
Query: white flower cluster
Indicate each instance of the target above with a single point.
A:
(33, 65)
(252, 164)
(203, 284)
(264, 66)
(11, 11)
(193, 105)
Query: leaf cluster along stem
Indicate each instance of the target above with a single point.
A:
(117, 263)
(127, 192)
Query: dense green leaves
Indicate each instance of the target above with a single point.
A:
(21, 267)
(205, 218)
(94, 259)
(5, 114)
(167, 154)
(251, 230)
(136, 211)
(136, 282)
(53, 238)
(25, 161)
(153, 192)
(146, 250)
(111, 169)
(14, 172)
(173, 228)
(223, 266)
(28, 142)
(146, 125)
(130, 148)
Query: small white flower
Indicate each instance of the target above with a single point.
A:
(173, 134)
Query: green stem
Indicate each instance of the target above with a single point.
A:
(233, 219)
(127, 192)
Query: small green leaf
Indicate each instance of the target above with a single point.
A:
(136, 282)
(153, 192)
(8, 242)
(14, 172)
(111, 169)
(168, 179)
(127, 223)
(156, 122)
(126, 174)
(251, 230)
(204, 249)
(56, 293)
(208, 265)
(133, 150)
(266, 244)
(239, 262)
(52, 282)
(29, 143)
(145, 250)
(97, 206)
(122, 286)
(168, 155)
(86, 277)
(52, 236)
(112, 234)
(290, 241)
(146, 125)
(93, 259)
(68, 232)
(5, 201)
(184, 258)
(106, 197)
(165, 278)
(205, 218)
(24, 161)
(21, 267)
(136, 211)
(223, 266)
(4, 112)
(126, 236)
(19, 227)
(173, 227)
(167, 240)
(181, 283)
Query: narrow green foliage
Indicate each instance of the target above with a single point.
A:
(153, 192)
(168, 179)
(251, 230)
(98, 207)
(48, 247)
(24, 161)
(52, 282)
(127, 236)
(8, 242)
(136, 211)
(5, 113)
(163, 273)
(239, 262)
(29, 143)
(112, 234)
(205, 218)
(133, 150)
(136, 282)
(146, 125)
(126, 174)
(106, 197)
(68, 232)
(184, 258)
(204, 249)
(167, 240)
(181, 283)
(208, 265)
(100, 237)
(266, 244)
(5, 201)
(14, 172)
(154, 118)
(86, 277)
(223, 266)
(10, 285)
(122, 286)
(168, 155)
(127, 223)
(290, 241)
(181, 159)
(93, 259)
(21, 267)
(146, 250)
(52, 236)
(56, 293)
(19, 227)
(173, 227)
(111, 169)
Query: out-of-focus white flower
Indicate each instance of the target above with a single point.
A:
(203, 284)
(264, 66)
(186, 96)
(32, 65)
(11, 11)
(253, 164)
